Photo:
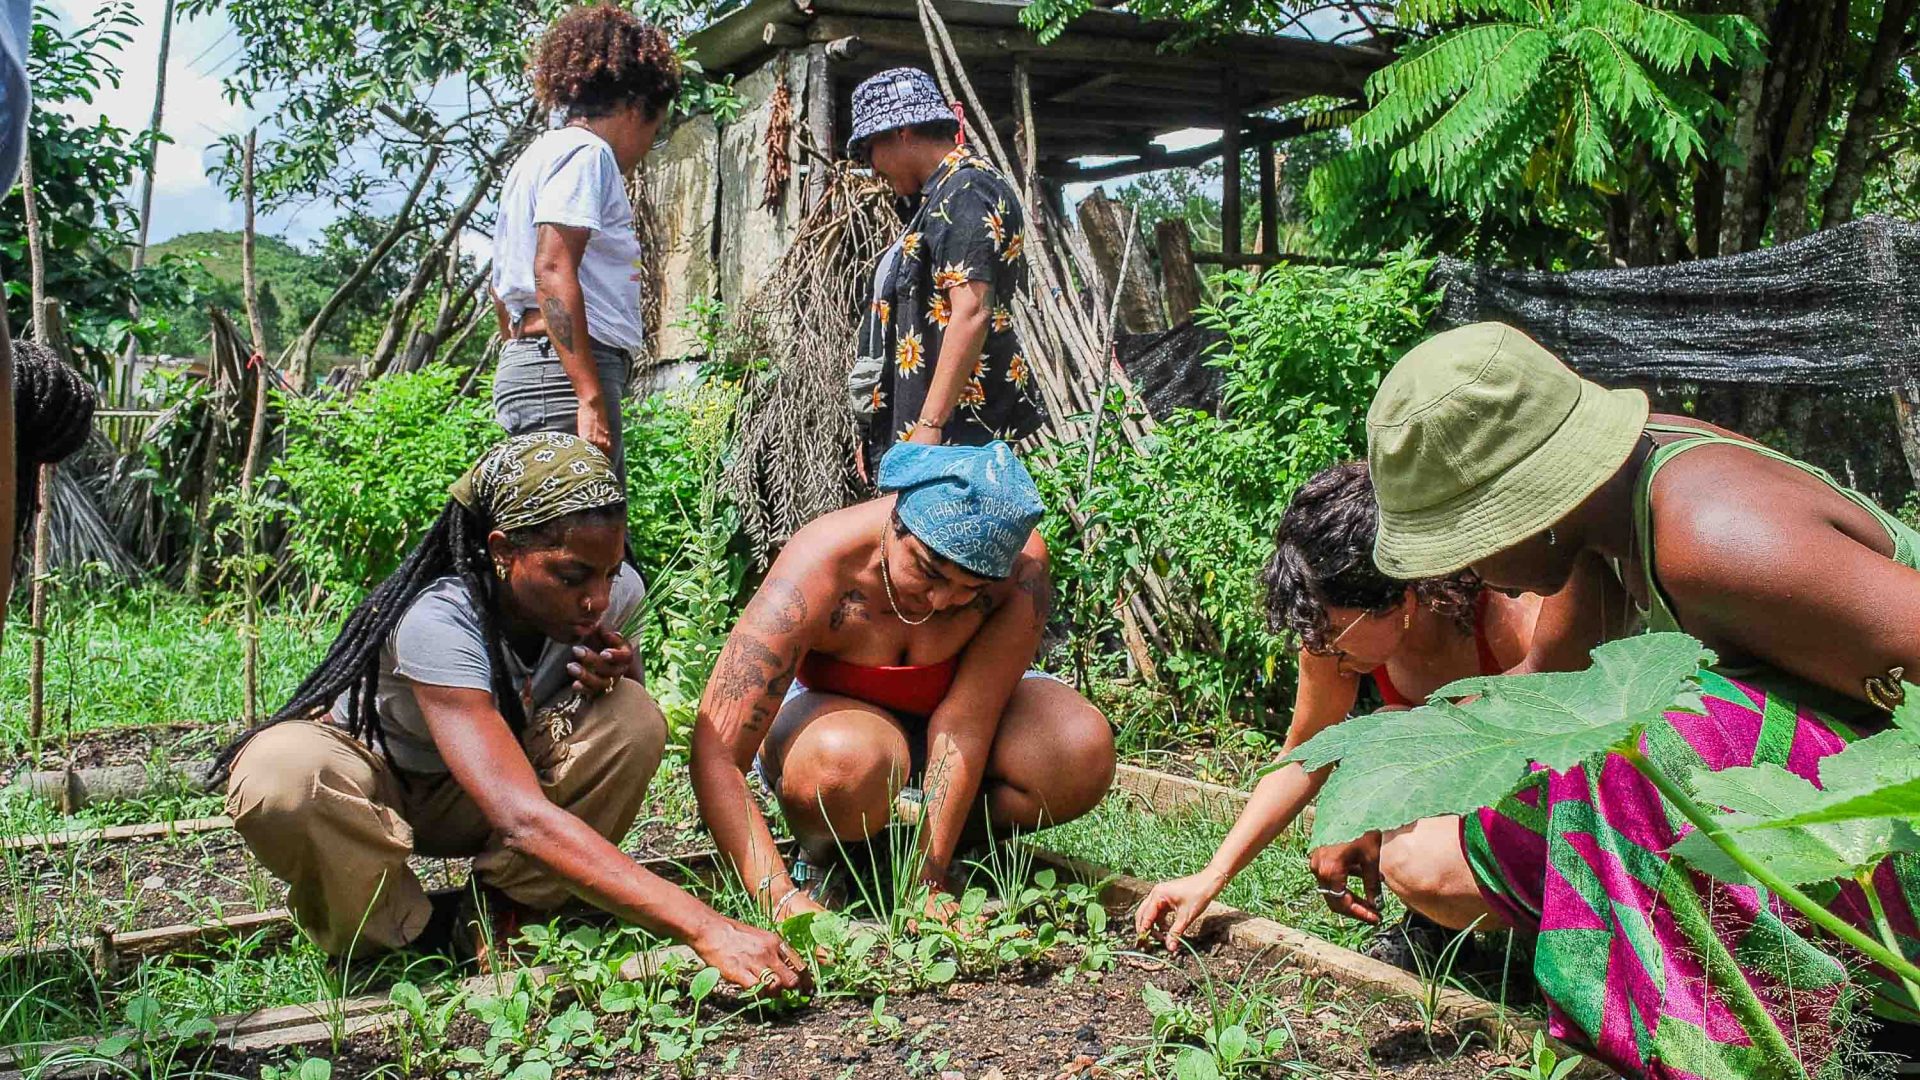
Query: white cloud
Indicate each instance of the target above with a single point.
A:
(196, 117)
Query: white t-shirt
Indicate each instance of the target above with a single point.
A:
(568, 176)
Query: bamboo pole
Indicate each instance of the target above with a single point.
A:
(42, 539)
(250, 531)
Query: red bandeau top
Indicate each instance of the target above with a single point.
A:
(914, 691)
(1489, 665)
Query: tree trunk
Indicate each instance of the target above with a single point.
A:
(256, 438)
(1173, 239)
(1791, 218)
(1709, 196)
(1746, 144)
(444, 249)
(299, 357)
(1851, 157)
(1105, 226)
(153, 132)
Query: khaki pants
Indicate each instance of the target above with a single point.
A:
(336, 821)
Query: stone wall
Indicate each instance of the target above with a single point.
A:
(707, 184)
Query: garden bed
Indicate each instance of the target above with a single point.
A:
(1040, 1021)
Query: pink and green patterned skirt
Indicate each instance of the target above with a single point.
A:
(1661, 971)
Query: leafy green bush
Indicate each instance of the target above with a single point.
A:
(366, 476)
(1305, 347)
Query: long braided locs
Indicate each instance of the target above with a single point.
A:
(456, 544)
(52, 414)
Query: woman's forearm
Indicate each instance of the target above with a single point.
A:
(1277, 800)
(564, 307)
(740, 832)
(606, 877)
(966, 335)
(955, 767)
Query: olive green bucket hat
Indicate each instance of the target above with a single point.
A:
(1479, 438)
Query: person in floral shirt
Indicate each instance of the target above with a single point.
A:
(938, 360)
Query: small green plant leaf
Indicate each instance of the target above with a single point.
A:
(319, 1069)
(1195, 1064)
(1877, 777)
(704, 983)
(408, 997)
(1158, 1001)
(1760, 798)
(943, 972)
(1454, 756)
(527, 1070)
(1233, 1044)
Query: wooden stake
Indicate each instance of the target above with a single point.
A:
(37, 662)
(250, 531)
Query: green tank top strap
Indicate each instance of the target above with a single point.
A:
(1659, 616)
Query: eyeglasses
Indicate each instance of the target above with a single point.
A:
(1332, 648)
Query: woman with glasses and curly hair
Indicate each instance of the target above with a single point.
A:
(1355, 624)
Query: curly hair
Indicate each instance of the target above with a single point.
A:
(1323, 557)
(594, 60)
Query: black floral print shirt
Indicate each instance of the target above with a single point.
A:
(968, 228)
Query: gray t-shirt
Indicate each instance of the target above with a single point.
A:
(440, 642)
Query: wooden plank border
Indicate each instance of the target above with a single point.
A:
(93, 834)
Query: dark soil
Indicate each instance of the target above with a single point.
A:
(163, 881)
(155, 744)
(142, 884)
(1028, 1024)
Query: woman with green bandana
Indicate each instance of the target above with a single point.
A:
(888, 653)
(1488, 454)
(481, 703)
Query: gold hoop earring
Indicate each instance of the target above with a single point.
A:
(500, 569)
(1406, 618)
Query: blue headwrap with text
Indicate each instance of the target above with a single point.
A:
(974, 505)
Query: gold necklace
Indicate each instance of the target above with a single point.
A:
(886, 581)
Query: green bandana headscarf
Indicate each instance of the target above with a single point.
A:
(532, 479)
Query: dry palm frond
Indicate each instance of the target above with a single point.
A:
(779, 136)
(791, 457)
(78, 536)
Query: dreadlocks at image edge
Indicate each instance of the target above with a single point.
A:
(480, 703)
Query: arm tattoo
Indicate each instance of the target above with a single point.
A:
(749, 670)
(778, 608)
(1035, 582)
(853, 605)
(559, 322)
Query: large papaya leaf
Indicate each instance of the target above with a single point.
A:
(1765, 796)
(1876, 777)
(1454, 756)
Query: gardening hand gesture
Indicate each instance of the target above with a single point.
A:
(1175, 903)
(590, 423)
(601, 659)
(1335, 864)
(750, 957)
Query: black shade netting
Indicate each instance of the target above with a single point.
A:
(1169, 368)
(1838, 310)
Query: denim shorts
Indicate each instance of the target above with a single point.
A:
(916, 734)
(531, 391)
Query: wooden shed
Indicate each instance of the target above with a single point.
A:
(1108, 87)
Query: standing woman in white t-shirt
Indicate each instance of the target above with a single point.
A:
(567, 268)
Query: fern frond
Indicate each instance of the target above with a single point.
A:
(1586, 135)
(1502, 85)
(1666, 39)
(1439, 78)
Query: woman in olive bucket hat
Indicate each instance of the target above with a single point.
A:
(1489, 454)
(881, 672)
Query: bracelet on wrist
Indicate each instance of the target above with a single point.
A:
(936, 425)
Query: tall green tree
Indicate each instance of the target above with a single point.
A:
(82, 172)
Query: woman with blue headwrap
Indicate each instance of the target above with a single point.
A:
(890, 645)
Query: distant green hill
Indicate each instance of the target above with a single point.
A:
(293, 286)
